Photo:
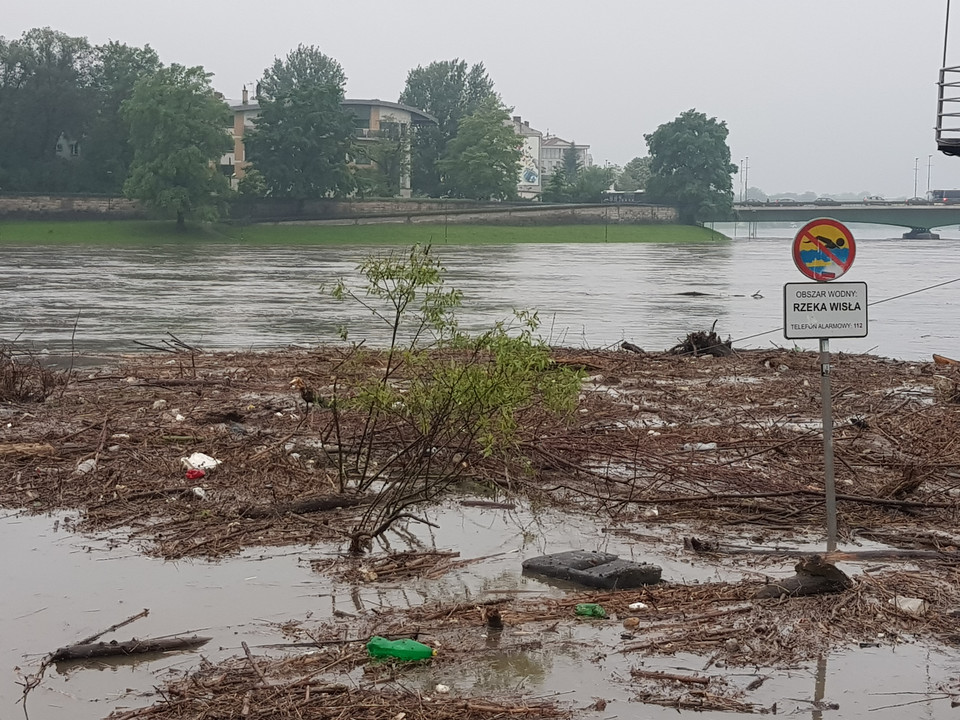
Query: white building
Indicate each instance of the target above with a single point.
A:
(552, 150)
(529, 186)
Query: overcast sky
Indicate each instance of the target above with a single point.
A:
(829, 96)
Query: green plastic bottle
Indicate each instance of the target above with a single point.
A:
(590, 610)
(380, 647)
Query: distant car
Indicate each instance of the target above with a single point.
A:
(785, 201)
(918, 201)
(826, 201)
(874, 200)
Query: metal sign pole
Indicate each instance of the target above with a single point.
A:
(829, 486)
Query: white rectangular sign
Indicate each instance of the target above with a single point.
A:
(824, 310)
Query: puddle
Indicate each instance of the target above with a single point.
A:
(62, 586)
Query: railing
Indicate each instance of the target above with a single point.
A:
(394, 132)
(948, 111)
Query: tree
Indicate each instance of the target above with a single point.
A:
(106, 152)
(571, 163)
(178, 130)
(442, 400)
(557, 189)
(302, 141)
(483, 160)
(449, 91)
(590, 184)
(635, 174)
(690, 166)
(44, 77)
(389, 157)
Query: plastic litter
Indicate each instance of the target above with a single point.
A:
(199, 492)
(441, 689)
(87, 466)
(380, 647)
(637, 606)
(195, 474)
(590, 610)
(699, 447)
(199, 461)
(912, 606)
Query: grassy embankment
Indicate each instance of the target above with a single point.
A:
(136, 231)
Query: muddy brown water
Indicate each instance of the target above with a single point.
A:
(60, 586)
(221, 295)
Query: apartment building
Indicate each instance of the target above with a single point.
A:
(552, 150)
(372, 118)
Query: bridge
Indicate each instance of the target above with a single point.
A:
(920, 219)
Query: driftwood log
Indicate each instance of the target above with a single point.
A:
(130, 647)
(300, 507)
(713, 547)
(814, 577)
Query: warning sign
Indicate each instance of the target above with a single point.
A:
(811, 310)
(824, 249)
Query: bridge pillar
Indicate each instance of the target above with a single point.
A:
(920, 234)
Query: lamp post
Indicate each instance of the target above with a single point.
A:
(746, 177)
(929, 160)
(741, 181)
(916, 168)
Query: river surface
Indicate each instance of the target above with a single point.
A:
(60, 586)
(225, 295)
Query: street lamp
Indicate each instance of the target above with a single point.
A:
(929, 160)
(746, 177)
(916, 167)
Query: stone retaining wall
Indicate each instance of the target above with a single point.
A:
(68, 207)
(349, 212)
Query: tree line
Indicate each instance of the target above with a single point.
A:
(113, 119)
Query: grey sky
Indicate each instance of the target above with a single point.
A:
(824, 95)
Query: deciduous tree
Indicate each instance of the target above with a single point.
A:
(590, 184)
(302, 141)
(106, 151)
(44, 76)
(690, 166)
(635, 174)
(389, 155)
(178, 128)
(483, 160)
(449, 90)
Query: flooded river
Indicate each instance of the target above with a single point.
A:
(60, 586)
(214, 295)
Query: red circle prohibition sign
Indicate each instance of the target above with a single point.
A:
(824, 249)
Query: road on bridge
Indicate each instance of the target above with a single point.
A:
(918, 218)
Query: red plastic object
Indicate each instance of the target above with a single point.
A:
(195, 474)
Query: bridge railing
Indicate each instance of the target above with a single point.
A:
(948, 111)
